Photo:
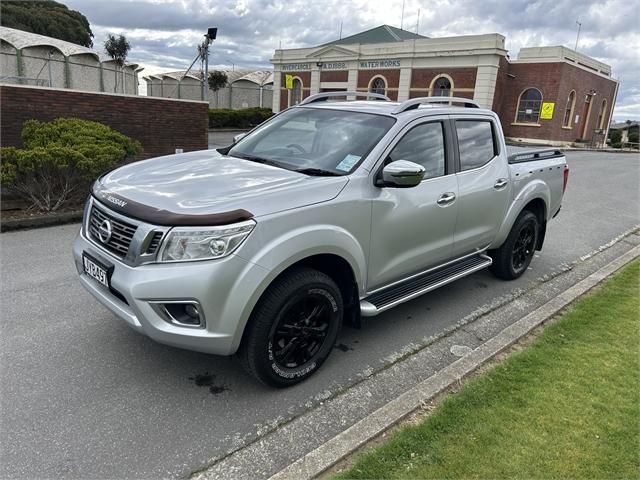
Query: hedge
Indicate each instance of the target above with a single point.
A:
(245, 118)
(60, 159)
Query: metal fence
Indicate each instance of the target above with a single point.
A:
(55, 70)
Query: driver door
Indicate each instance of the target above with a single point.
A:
(412, 228)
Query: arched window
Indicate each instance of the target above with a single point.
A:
(529, 105)
(378, 85)
(296, 91)
(568, 110)
(603, 112)
(442, 87)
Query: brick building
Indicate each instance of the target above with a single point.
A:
(550, 95)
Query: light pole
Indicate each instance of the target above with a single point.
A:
(578, 35)
(209, 37)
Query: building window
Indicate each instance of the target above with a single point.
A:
(529, 106)
(568, 110)
(603, 112)
(296, 91)
(378, 85)
(441, 87)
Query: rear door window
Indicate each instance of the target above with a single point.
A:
(476, 143)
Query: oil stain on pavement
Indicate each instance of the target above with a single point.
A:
(208, 380)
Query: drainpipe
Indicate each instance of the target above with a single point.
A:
(260, 96)
(101, 70)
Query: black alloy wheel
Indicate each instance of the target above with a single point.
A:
(293, 328)
(301, 330)
(524, 247)
(514, 256)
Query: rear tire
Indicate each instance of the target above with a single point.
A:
(293, 328)
(514, 256)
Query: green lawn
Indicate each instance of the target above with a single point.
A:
(568, 406)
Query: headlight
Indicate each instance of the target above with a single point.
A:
(184, 244)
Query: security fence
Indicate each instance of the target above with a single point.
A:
(44, 66)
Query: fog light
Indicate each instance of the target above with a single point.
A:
(184, 314)
(192, 311)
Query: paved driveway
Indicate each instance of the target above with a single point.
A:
(83, 396)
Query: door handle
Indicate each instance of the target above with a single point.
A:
(446, 199)
(500, 183)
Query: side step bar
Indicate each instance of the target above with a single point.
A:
(403, 292)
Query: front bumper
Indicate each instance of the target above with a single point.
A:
(225, 289)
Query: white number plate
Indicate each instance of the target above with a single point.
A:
(95, 270)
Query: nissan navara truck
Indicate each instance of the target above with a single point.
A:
(328, 212)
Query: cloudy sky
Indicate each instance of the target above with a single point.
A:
(163, 33)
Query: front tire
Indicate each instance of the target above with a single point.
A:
(514, 256)
(293, 328)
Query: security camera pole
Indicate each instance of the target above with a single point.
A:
(209, 37)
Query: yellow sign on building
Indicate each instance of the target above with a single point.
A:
(288, 81)
(547, 110)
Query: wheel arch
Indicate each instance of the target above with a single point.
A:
(335, 266)
(535, 199)
(538, 207)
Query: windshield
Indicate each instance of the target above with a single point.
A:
(314, 141)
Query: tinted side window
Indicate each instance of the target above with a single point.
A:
(475, 143)
(423, 145)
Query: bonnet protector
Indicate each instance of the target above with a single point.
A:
(166, 218)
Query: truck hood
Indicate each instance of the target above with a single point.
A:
(205, 187)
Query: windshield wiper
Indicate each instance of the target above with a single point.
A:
(318, 172)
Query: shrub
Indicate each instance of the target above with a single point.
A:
(616, 138)
(60, 159)
(245, 118)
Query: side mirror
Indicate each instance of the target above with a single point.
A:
(402, 174)
(239, 137)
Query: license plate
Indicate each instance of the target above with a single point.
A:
(95, 269)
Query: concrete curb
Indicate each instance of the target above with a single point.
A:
(40, 221)
(324, 457)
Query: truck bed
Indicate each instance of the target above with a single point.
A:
(538, 165)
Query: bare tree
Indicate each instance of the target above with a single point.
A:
(118, 49)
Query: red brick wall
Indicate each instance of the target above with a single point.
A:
(392, 76)
(365, 76)
(462, 77)
(160, 125)
(334, 76)
(555, 81)
(284, 93)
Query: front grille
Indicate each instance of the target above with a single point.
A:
(121, 232)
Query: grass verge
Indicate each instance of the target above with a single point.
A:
(568, 406)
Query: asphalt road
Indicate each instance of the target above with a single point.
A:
(84, 396)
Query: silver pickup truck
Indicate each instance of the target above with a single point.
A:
(328, 212)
